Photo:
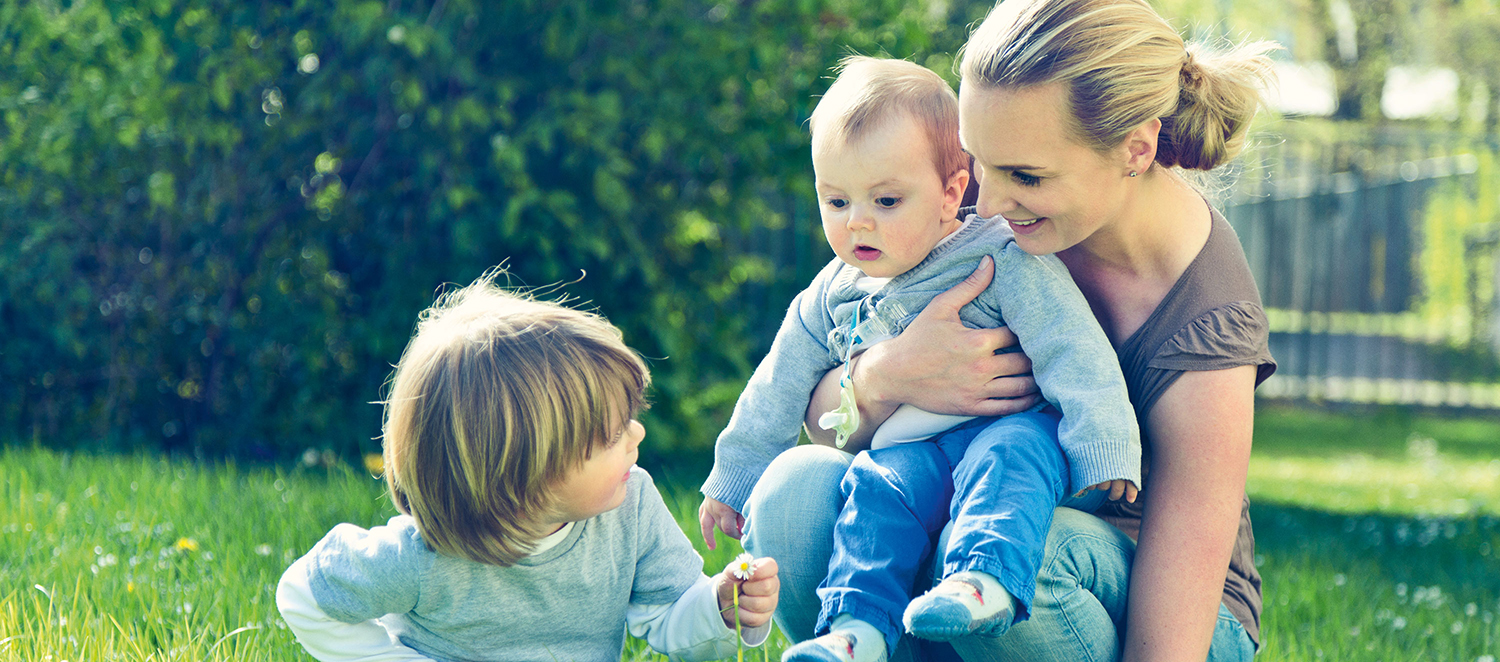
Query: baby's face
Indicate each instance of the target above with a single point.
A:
(883, 204)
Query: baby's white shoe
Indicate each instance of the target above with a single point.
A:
(850, 640)
(964, 603)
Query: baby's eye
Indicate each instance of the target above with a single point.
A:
(1024, 179)
(888, 201)
(837, 203)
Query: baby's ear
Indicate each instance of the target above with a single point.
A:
(953, 192)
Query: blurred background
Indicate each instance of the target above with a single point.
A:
(218, 220)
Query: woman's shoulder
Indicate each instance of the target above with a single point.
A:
(1212, 318)
(1232, 334)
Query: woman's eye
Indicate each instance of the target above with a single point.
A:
(1024, 179)
(888, 201)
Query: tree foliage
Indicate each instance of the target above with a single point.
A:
(219, 219)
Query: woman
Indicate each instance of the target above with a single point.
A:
(1078, 113)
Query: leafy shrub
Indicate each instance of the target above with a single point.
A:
(218, 219)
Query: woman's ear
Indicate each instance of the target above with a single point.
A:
(953, 192)
(1140, 146)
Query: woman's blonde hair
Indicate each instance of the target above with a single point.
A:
(1124, 66)
(869, 91)
(496, 398)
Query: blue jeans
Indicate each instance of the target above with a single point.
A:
(1079, 608)
(996, 480)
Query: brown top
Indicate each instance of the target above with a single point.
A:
(1212, 319)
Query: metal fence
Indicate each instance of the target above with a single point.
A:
(1336, 235)
(1334, 232)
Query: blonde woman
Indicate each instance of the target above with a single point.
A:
(1081, 116)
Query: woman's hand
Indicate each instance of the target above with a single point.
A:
(936, 364)
(944, 367)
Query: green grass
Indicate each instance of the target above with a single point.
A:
(139, 558)
(1376, 536)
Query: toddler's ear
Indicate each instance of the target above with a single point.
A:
(953, 192)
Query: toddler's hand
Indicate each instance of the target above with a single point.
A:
(1117, 488)
(717, 512)
(759, 590)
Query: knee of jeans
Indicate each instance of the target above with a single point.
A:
(797, 495)
(904, 467)
(1079, 542)
(1029, 436)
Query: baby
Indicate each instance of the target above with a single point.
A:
(527, 532)
(890, 179)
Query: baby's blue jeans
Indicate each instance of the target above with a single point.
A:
(1078, 611)
(996, 479)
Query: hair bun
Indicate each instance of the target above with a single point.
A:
(1218, 96)
(1192, 72)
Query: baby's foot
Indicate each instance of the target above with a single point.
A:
(965, 603)
(840, 645)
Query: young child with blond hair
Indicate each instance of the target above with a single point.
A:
(526, 531)
(890, 178)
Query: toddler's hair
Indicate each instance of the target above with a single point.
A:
(496, 398)
(1123, 66)
(869, 91)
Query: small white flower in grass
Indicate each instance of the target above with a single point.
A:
(741, 567)
(1485, 658)
(263, 550)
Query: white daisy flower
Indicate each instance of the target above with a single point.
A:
(740, 568)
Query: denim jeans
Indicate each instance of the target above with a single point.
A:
(997, 480)
(1078, 611)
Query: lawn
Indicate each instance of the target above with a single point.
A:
(1376, 537)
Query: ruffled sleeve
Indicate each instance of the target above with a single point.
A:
(1228, 336)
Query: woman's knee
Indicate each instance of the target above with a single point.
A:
(796, 498)
(1086, 553)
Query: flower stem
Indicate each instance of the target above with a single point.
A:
(738, 635)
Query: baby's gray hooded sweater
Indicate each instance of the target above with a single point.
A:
(1073, 362)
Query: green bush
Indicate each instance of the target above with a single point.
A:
(219, 219)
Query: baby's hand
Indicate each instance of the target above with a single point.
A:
(715, 512)
(758, 586)
(1117, 488)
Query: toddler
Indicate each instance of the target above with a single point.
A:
(526, 532)
(890, 179)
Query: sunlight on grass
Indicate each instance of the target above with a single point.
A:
(1375, 535)
(1428, 484)
(137, 558)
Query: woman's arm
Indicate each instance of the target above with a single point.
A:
(936, 364)
(1200, 433)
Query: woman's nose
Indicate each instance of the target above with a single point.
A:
(993, 199)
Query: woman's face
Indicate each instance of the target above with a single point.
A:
(1054, 191)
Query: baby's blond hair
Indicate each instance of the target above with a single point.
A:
(869, 91)
(496, 398)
